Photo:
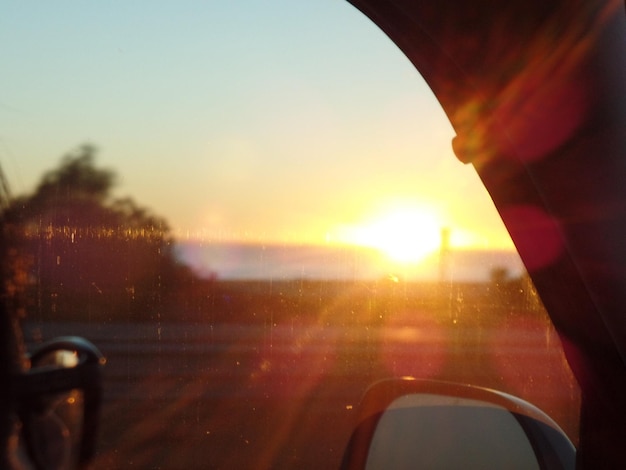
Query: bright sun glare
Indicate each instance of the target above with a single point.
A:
(405, 235)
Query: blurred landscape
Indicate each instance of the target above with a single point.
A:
(246, 261)
(273, 374)
(243, 356)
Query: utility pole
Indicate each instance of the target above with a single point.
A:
(444, 255)
(5, 191)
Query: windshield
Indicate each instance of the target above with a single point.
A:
(254, 213)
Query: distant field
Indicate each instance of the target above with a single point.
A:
(238, 261)
(271, 374)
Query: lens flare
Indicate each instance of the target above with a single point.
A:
(404, 235)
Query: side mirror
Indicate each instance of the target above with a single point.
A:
(408, 423)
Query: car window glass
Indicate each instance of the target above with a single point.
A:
(254, 212)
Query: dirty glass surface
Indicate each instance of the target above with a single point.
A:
(254, 212)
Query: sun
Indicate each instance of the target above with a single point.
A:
(405, 234)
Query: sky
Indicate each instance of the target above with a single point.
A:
(258, 120)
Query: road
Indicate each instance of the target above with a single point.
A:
(284, 395)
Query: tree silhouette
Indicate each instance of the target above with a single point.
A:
(77, 252)
(76, 179)
(77, 195)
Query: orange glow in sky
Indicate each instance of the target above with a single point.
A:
(404, 234)
(287, 124)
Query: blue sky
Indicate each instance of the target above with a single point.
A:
(289, 121)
